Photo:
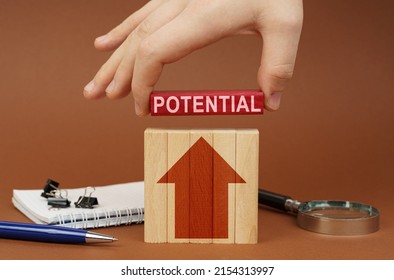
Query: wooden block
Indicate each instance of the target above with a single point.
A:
(155, 164)
(178, 186)
(201, 189)
(174, 103)
(201, 186)
(247, 157)
(224, 182)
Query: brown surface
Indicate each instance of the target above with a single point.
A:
(332, 138)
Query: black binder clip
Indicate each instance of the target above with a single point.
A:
(49, 188)
(87, 201)
(58, 201)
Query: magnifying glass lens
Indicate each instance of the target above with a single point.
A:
(337, 210)
(338, 217)
(334, 217)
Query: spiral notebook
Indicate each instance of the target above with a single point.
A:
(120, 204)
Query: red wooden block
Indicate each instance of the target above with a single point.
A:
(240, 102)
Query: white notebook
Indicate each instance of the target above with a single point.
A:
(120, 204)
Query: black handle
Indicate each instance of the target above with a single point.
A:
(273, 200)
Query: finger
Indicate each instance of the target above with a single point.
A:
(281, 38)
(95, 89)
(189, 31)
(118, 35)
(121, 84)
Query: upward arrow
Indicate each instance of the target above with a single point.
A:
(201, 178)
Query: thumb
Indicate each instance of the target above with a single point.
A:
(280, 44)
(273, 82)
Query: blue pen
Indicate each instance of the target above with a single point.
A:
(47, 233)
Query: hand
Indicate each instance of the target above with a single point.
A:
(164, 31)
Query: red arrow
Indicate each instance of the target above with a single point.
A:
(201, 178)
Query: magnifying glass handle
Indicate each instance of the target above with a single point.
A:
(278, 201)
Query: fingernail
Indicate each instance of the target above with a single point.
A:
(110, 87)
(138, 111)
(89, 87)
(274, 100)
(102, 38)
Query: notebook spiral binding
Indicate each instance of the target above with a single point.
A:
(104, 218)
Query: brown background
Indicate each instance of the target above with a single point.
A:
(332, 138)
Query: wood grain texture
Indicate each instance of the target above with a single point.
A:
(224, 145)
(202, 187)
(201, 180)
(178, 190)
(247, 162)
(155, 196)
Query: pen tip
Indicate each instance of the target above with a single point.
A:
(114, 239)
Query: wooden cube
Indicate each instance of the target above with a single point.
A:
(201, 186)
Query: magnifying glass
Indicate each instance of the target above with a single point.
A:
(333, 217)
